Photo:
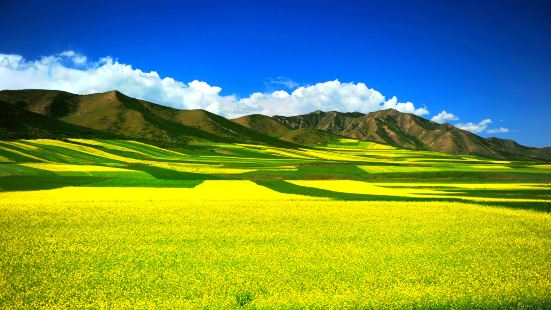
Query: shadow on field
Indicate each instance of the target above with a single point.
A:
(169, 174)
(33, 183)
(289, 188)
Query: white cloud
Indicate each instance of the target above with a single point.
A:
(498, 130)
(73, 72)
(406, 107)
(76, 58)
(284, 81)
(443, 117)
(479, 127)
(475, 128)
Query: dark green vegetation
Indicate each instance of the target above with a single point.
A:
(18, 123)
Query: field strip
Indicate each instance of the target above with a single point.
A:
(54, 167)
(11, 150)
(108, 146)
(84, 149)
(478, 186)
(490, 199)
(360, 187)
(158, 149)
(410, 190)
(396, 168)
(199, 168)
(208, 190)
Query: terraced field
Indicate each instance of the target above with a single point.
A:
(109, 223)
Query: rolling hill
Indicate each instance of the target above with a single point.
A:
(124, 116)
(18, 123)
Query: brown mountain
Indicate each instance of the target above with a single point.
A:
(115, 113)
(407, 131)
(264, 124)
(274, 128)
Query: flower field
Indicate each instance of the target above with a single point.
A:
(124, 224)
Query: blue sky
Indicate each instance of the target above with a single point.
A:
(477, 60)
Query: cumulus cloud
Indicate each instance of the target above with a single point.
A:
(406, 107)
(75, 57)
(475, 127)
(498, 130)
(73, 72)
(444, 117)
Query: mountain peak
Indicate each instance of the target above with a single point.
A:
(389, 111)
(111, 92)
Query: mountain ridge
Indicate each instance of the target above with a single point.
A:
(132, 118)
(53, 113)
(409, 131)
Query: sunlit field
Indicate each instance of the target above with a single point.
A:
(110, 224)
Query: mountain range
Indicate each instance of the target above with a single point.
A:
(57, 114)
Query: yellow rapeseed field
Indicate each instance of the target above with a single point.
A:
(5, 147)
(173, 248)
(207, 190)
(422, 190)
(107, 145)
(84, 149)
(359, 187)
(124, 224)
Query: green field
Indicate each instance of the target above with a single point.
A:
(111, 223)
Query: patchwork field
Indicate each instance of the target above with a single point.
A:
(108, 223)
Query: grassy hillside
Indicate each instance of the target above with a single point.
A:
(128, 117)
(308, 136)
(264, 124)
(17, 123)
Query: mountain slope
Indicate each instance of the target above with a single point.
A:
(117, 113)
(222, 127)
(309, 136)
(17, 123)
(274, 128)
(396, 129)
(109, 111)
(410, 131)
(263, 123)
